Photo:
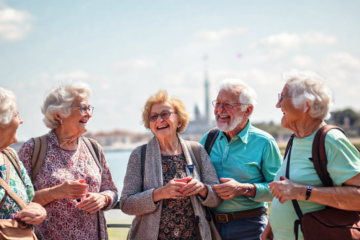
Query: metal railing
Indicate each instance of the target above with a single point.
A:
(117, 206)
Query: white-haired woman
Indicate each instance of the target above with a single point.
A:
(68, 159)
(305, 102)
(12, 170)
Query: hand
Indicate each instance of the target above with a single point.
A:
(33, 214)
(193, 187)
(229, 188)
(69, 189)
(286, 189)
(267, 233)
(170, 190)
(92, 203)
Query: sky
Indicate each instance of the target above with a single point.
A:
(128, 50)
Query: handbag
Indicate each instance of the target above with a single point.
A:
(329, 223)
(12, 229)
(193, 146)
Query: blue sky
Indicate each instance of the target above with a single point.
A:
(128, 50)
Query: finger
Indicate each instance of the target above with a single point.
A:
(185, 179)
(25, 213)
(90, 207)
(224, 180)
(187, 186)
(282, 178)
(192, 191)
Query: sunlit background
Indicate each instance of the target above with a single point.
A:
(127, 50)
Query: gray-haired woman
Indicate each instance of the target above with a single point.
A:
(12, 170)
(305, 102)
(68, 159)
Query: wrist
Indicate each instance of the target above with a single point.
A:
(302, 192)
(204, 192)
(53, 193)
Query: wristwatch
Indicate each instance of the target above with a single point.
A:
(247, 190)
(308, 192)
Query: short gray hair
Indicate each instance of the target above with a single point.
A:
(7, 106)
(60, 98)
(247, 93)
(308, 87)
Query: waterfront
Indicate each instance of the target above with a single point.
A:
(117, 161)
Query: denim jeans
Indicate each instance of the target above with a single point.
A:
(243, 229)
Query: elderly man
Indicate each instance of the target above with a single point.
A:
(246, 160)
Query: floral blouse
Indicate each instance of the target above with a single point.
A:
(64, 220)
(22, 186)
(177, 215)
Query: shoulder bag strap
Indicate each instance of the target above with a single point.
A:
(6, 181)
(194, 148)
(295, 203)
(91, 144)
(9, 190)
(15, 162)
(319, 158)
(210, 139)
(38, 156)
(142, 158)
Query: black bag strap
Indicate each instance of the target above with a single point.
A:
(295, 203)
(210, 139)
(38, 155)
(142, 157)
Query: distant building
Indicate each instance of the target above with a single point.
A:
(201, 124)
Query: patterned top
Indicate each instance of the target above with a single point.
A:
(177, 215)
(26, 192)
(64, 220)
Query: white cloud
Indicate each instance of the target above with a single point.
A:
(132, 65)
(303, 62)
(277, 45)
(14, 25)
(219, 34)
(74, 75)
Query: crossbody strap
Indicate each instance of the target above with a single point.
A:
(38, 156)
(9, 190)
(142, 158)
(91, 144)
(295, 203)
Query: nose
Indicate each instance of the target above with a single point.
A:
(278, 104)
(21, 121)
(159, 117)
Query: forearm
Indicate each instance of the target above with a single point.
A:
(45, 196)
(139, 203)
(345, 197)
(111, 199)
(262, 192)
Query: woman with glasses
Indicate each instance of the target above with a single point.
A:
(305, 102)
(71, 184)
(164, 189)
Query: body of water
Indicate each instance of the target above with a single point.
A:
(117, 161)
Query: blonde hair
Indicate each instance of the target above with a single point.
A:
(162, 97)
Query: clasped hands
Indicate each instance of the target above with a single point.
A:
(286, 189)
(32, 214)
(184, 187)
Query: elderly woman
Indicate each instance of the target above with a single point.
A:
(305, 101)
(69, 162)
(12, 170)
(168, 199)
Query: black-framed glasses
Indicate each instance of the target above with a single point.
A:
(225, 105)
(84, 109)
(165, 114)
(281, 97)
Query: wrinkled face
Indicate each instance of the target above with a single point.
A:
(291, 114)
(10, 129)
(228, 120)
(76, 122)
(164, 128)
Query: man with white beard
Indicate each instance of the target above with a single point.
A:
(246, 159)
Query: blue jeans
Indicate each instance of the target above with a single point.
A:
(243, 229)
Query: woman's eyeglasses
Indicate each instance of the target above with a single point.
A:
(281, 97)
(84, 109)
(165, 114)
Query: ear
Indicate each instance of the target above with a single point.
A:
(58, 117)
(249, 110)
(308, 107)
(179, 125)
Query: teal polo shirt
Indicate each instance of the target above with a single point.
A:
(252, 156)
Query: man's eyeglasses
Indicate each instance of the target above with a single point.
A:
(280, 97)
(165, 114)
(225, 105)
(84, 109)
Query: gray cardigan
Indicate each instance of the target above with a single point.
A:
(134, 201)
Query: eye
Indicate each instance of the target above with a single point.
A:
(165, 114)
(83, 107)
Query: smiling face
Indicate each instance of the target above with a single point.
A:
(291, 114)
(76, 122)
(9, 131)
(228, 120)
(164, 128)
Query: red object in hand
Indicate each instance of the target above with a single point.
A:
(81, 181)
